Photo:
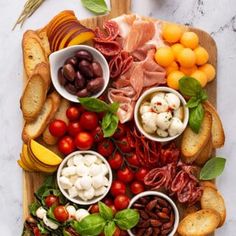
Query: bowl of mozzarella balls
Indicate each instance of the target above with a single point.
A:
(161, 114)
(84, 177)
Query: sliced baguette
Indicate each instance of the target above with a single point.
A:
(42, 33)
(33, 52)
(192, 143)
(44, 70)
(218, 135)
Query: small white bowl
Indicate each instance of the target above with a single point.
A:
(162, 195)
(57, 59)
(140, 101)
(77, 200)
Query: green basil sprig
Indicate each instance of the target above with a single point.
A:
(110, 120)
(212, 168)
(105, 211)
(190, 87)
(96, 6)
(110, 228)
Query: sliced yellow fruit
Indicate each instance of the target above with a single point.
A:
(21, 164)
(27, 158)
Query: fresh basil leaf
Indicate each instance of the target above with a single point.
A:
(193, 102)
(50, 213)
(212, 168)
(105, 211)
(91, 225)
(189, 86)
(41, 228)
(94, 104)
(114, 107)
(33, 208)
(110, 228)
(110, 124)
(49, 183)
(203, 95)
(127, 219)
(96, 6)
(106, 120)
(196, 115)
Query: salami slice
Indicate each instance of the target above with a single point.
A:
(109, 48)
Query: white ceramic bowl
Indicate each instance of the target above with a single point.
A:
(140, 101)
(57, 59)
(164, 196)
(78, 200)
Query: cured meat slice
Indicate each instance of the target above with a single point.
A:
(109, 48)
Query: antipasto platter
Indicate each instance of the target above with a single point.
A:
(120, 127)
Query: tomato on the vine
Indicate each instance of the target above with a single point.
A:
(73, 113)
(74, 128)
(114, 210)
(115, 160)
(126, 175)
(133, 160)
(51, 200)
(89, 120)
(124, 145)
(117, 187)
(94, 208)
(36, 231)
(136, 187)
(97, 134)
(105, 148)
(84, 140)
(141, 173)
(121, 201)
(120, 131)
(108, 201)
(57, 128)
(123, 233)
(61, 214)
(66, 145)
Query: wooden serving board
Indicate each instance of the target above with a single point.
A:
(31, 181)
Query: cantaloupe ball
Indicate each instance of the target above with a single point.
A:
(164, 56)
(187, 58)
(188, 71)
(172, 67)
(202, 55)
(176, 48)
(173, 79)
(171, 33)
(200, 76)
(209, 70)
(189, 40)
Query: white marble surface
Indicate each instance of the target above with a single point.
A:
(216, 17)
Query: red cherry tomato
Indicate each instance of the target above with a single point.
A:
(115, 161)
(108, 201)
(133, 160)
(117, 232)
(61, 214)
(57, 128)
(126, 175)
(84, 141)
(120, 131)
(105, 148)
(97, 134)
(136, 187)
(74, 128)
(121, 202)
(94, 208)
(114, 210)
(66, 145)
(51, 200)
(117, 187)
(123, 233)
(73, 113)
(36, 231)
(124, 145)
(89, 120)
(140, 174)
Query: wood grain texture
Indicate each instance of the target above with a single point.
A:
(31, 181)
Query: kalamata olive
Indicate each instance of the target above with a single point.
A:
(72, 60)
(86, 69)
(61, 78)
(97, 69)
(95, 85)
(69, 72)
(84, 55)
(80, 81)
(83, 93)
(70, 88)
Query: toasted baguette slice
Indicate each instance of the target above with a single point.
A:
(212, 199)
(33, 97)
(61, 114)
(42, 33)
(200, 223)
(218, 135)
(35, 129)
(192, 143)
(44, 70)
(208, 183)
(33, 52)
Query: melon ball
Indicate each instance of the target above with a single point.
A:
(173, 79)
(172, 33)
(209, 70)
(164, 56)
(187, 58)
(172, 67)
(176, 49)
(202, 55)
(200, 76)
(188, 71)
(189, 40)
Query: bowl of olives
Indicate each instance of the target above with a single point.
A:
(79, 71)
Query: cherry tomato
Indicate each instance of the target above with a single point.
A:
(94, 208)
(73, 113)
(57, 128)
(84, 141)
(101, 115)
(120, 131)
(117, 232)
(97, 134)
(66, 145)
(61, 214)
(140, 174)
(74, 128)
(133, 160)
(105, 148)
(51, 200)
(136, 187)
(114, 210)
(123, 233)
(117, 187)
(123, 144)
(115, 160)
(89, 120)
(126, 175)
(121, 202)
(108, 201)
(36, 231)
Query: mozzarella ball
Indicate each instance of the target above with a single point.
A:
(100, 191)
(145, 107)
(81, 214)
(172, 100)
(149, 119)
(81, 195)
(89, 193)
(163, 120)
(162, 133)
(65, 182)
(70, 162)
(159, 94)
(50, 223)
(73, 179)
(150, 128)
(179, 113)
(95, 170)
(41, 212)
(68, 171)
(78, 159)
(104, 169)
(89, 159)
(176, 127)
(97, 181)
(86, 182)
(159, 104)
(105, 181)
(82, 170)
(71, 210)
(73, 192)
(78, 185)
(98, 161)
